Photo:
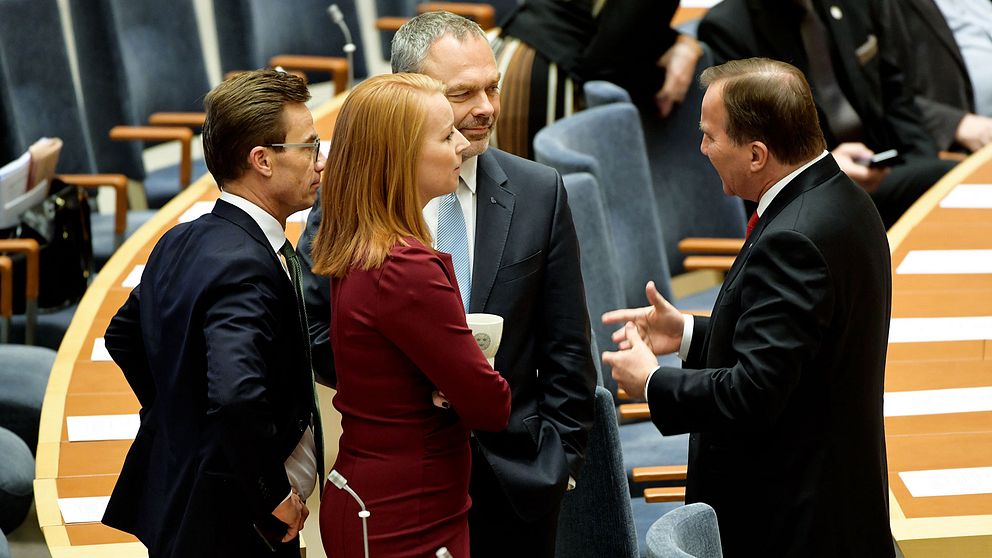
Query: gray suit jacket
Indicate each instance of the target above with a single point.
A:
(526, 269)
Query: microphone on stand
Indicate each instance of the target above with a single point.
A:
(342, 483)
(349, 47)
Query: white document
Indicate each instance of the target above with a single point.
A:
(698, 3)
(102, 427)
(83, 510)
(948, 482)
(923, 330)
(945, 262)
(969, 196)
(100, 350)
(299, 216)
(938, 401)
(197, 209)
(134, 278)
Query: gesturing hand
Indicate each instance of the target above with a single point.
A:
(660, 325)
(631, 365)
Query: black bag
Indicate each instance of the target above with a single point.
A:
(61, 225)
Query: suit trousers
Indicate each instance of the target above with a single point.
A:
(905, 184)
(495, 529)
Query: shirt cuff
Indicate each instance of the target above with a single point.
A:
(687, 324)
(647, 383)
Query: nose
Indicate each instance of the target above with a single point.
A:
(460, 142)
(483, 106)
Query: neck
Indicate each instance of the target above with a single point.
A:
(248, 192)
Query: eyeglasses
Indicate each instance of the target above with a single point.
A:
(315, 146)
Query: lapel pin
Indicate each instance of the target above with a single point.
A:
(836, 12)
(492, 199)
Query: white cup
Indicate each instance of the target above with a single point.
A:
(487, 330)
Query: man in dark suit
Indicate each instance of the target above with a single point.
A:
(943, 87)
(525, 268)
(859, 80)
(213, 342)
(782, 384)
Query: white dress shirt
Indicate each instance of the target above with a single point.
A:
(763, 203)
(301, 465)
(466, 197)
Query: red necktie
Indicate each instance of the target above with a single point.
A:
(750, 224)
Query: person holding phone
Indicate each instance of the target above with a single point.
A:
(411, 379)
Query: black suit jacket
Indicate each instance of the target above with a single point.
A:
(783, 385)
(211, 345)
(868, 46)
(943, 88)
(526, 269)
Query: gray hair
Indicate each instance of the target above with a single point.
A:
(414, 39)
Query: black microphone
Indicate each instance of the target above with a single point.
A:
(349, 46)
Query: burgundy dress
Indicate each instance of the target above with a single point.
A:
(399, 333)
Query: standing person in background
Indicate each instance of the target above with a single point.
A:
(399, 331)
(782, 385)
(549, 48)
(214, 344)
(522, 263)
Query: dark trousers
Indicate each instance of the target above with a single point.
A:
(495, 529)
(905, 184)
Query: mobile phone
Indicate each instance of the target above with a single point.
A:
(885, 158)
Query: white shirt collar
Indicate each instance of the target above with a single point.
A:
(271, 228)
(470, 171)
(767, 197)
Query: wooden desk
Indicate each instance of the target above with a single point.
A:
(79, 386)
(941, 526)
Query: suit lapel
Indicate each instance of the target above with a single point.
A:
(494, 211)
(931, 16)
(238, 217)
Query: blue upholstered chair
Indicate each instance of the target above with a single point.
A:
(690, 531)
(16, 482)
(251, 32)
(138, 58)
(24, 375)
(595, 519)
(4, 548)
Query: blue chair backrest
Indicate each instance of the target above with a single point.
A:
(37, 96)
(250, 32)
(596, 519)
(690, 531)
(607, 142)
(599, 267)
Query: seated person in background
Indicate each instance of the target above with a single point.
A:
(941, 81)
(970, 21)
(853, 53)
(399, 332)
(549, 48)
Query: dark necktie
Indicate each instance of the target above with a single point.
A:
(843, 121)
(296, 275)
(750, 224)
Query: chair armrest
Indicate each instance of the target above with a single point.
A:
(29, 247)
(633, 411)
(6, 289)
(483, 14)
(390, 23)
(693, 245)
(116, 181)
(719, 263)
(334, 65)
(162, 133)
(952, 156)
(622, 394)
(664, 494)
(188, 119)
(659, 473)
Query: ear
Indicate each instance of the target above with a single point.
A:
(260, 161)
(759, 156)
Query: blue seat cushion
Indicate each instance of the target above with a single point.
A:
(163, 184)
(16, 478)
(24, 375)
(645, 515)
(644, 446)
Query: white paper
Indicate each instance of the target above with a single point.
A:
(83, 510)
(948, 482)
(197, 209)
(944, 262)
(698, 3)
(102, 427)
(938, 401)
(100, 350)
(969, 196)
(923, 330)
(299, 216)
(134, 277)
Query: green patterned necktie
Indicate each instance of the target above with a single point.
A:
(296, 275)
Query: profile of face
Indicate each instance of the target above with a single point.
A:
(468, 68)
(295, 170)
(440, 158)
(731, 161)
